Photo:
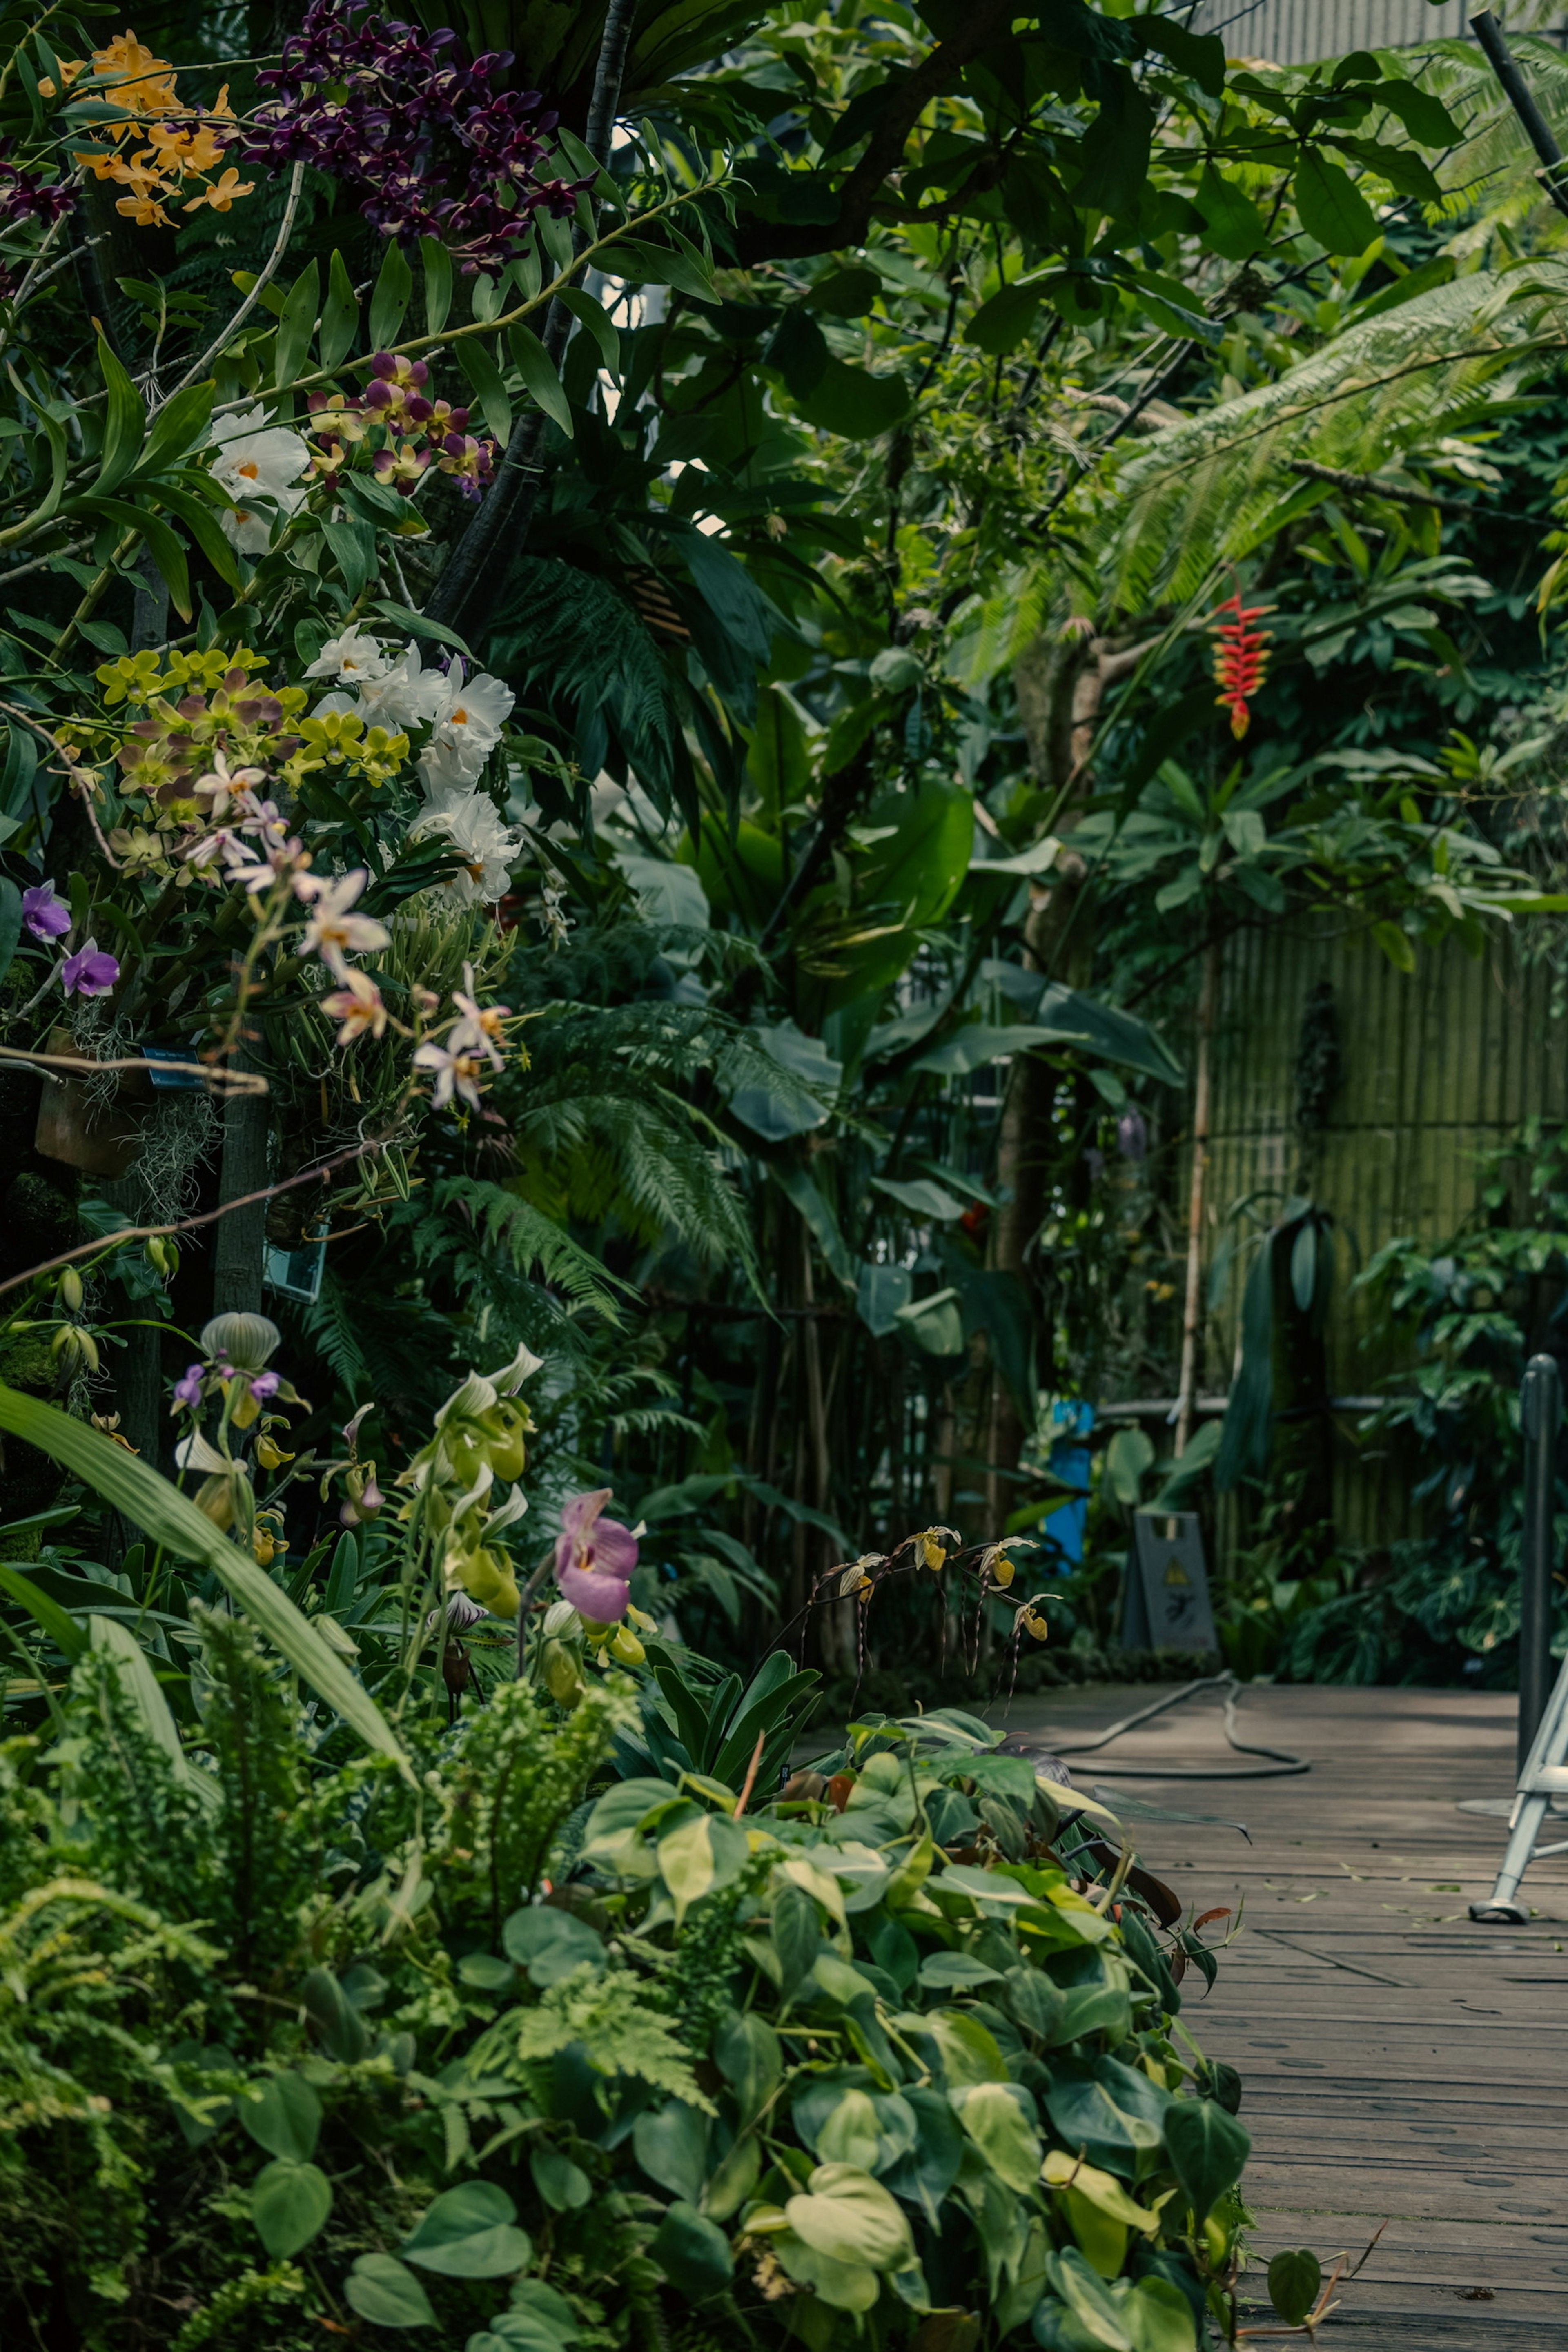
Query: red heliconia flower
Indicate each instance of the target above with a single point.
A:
(1240, 659)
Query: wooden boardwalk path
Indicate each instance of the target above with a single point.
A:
(1400, 2064)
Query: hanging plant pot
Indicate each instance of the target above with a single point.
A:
(101, 1138)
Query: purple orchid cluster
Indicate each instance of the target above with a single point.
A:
(26, 197)
(425, 143)
(92, 970)
(421, 431)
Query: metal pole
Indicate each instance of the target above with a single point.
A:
(1541, 1417)
(1516, 89)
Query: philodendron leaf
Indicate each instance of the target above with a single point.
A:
(1207, 2149)
(470, 2232)
(382, 2290)
(289, 2203)
(850, 2218)
(172, 1519)
(693, 2253)
(996, 2118)
(1295, 2281)
(672, 2146)
(286, 2120)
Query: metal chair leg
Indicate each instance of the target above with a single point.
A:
(1502, 1908)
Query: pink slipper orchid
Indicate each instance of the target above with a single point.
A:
(594, 1559)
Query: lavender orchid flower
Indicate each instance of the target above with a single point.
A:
(92, 972)
(595, 1558)
(46, 917)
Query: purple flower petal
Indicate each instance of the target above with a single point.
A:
(615, 1549)
(601, 1599)
(578, 1515)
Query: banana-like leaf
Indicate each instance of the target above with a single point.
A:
(172, 1519)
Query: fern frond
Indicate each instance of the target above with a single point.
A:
(1203, 494)
(532, 1242)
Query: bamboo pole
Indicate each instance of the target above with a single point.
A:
(1192, 1314)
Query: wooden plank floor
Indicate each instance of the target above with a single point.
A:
(1400, 2064)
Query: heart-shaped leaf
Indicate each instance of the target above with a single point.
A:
(289, 2203)
(286, 2120)
(850, 2218)
(380, 2289)
(470, 2232)
(1207, 2149)
(1295, 2281)
(550, 1944)
(693, 2253)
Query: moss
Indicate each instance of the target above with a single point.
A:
(37, 1217)
(31, 1481)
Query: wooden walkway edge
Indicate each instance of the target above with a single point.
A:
(1400, 2064)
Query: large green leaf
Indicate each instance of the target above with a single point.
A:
(286, 2119)
(1207, 2149)
(61, 1627)
(173, 1520)
(1332, 206)
(125, 420)
(147, 1701)
(997, 2117)
(850, 2218)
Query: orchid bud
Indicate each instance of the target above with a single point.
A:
(266, 1542)
(71, 1346)
(68, 1286)
(563, 1678)
(268, 1452)
(625, 1645)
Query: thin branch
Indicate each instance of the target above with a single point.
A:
(750, 1781)
(45, 563)
(195, 374)
(236, 1082)
(1369, 484)
(208, 1216)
